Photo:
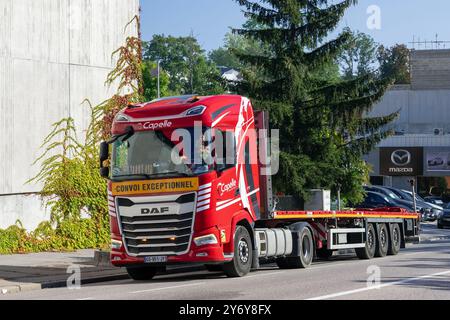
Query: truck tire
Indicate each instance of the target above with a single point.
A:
(382, 240)
(368, 252)
(243, 254)
(395, 239)
(214, 267)
(306, 250)
(142, 273)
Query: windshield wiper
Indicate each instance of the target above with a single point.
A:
(142, 175)
(153, 175)
(184, 174)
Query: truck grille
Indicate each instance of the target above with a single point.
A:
(159, 225)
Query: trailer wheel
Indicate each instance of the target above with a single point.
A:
(142, 273)
(395, 240)
(382, 241)
(368, 252)
(243, 254)
(306, 250)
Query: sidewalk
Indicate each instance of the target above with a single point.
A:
(46, 270)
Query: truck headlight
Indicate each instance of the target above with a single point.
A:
(204, 240)
(116, 244)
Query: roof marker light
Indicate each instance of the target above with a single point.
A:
(194, 99)
(195, 111)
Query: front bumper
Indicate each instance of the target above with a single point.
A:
(211, 253)
(429, 216)
(206, 254)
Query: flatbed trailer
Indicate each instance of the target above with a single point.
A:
(221, 213)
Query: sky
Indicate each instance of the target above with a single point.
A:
(210, 20)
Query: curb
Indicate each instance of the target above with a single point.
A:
(434, 239)
(24, 287)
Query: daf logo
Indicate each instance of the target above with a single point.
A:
(154, 210)
(401, 158)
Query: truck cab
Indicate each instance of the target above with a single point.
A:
(183, 176)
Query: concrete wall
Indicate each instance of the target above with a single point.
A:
(53, 55)
(430, 69)
(421, 111)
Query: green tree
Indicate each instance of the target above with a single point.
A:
(323, 133)
(360, 58)
(394, 62)
(150, 78)
(234, 43)
(186, 64)
(223, 57)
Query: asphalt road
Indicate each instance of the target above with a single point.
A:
(421, 271)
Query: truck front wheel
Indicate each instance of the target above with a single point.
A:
(141, 273)
(243, 254)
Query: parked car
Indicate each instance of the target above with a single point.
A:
(383, 190)
(388, 193)
(435, 200)
(436, 162)
(444, 218)
(378, 200)
(404, 201)
(429, 211)
(435, 209)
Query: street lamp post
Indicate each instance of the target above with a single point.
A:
(159, 88)
(413, 186)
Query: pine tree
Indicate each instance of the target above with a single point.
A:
(323, 131)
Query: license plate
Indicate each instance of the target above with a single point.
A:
(155, 259)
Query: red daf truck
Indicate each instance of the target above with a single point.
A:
(170, 204)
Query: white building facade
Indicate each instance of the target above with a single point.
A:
(53, 55)
(422, 129)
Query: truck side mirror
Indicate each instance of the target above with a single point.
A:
(104, 172)
(104, 153)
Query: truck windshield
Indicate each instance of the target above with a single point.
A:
(150, 154)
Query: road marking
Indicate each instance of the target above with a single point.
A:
(258, 275)
(345, 293)
(352, 260)
(166, 288)
(90, 298)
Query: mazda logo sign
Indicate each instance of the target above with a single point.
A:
(401, 158)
